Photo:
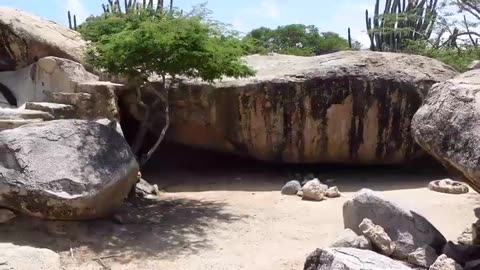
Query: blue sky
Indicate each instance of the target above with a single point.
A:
(244, 15)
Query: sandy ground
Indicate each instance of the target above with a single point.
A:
(233, 220)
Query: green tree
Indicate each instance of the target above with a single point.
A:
(143, 44)
(295, 39)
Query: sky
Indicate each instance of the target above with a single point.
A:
(243, 15)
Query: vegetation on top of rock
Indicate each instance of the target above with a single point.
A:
(294, 39)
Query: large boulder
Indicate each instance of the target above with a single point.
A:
(350, 259)
(409, 230)
(65, 169)
(27, 38)
(447, 126)
(345, 107)
(13, 257)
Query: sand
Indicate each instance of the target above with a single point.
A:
(231, 221)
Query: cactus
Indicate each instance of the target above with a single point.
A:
(400, 21)
(70, 25)
(349, 38)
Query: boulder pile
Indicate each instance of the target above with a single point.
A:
(379, 234)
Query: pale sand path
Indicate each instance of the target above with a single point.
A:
(229, 220)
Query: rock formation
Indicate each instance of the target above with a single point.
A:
(346, 107)
(447, 125)
(65, 169)
(25, 38)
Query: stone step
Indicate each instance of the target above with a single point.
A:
(57, 110)
(23, 114)
(14, 123)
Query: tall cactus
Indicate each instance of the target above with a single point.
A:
(399, 22)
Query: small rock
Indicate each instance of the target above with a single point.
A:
(466, 237)
(300, 193)
(424, 256)
(333, 192)
(474, 65)
(348, 238)
(143, 188)
(378, 236)
(314, 190)
(445, 263)
(6, 215)
(448, 186)
(291, 188)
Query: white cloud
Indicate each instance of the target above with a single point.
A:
(77, 9)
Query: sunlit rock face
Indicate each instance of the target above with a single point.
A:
(346, 107)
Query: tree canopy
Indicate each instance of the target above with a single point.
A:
(296, 39)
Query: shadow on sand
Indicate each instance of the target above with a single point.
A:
(165, 228)
(179, 168)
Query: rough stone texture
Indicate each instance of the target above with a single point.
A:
(58, 111)
(65, 169)
(333, 192)
(378, 236)
(23, 114)
(14, 123)
(6, 215)
(27, 38)
(461, 253)
(348, 238)
(13, 257)
(448, 186)
(350, 259)
(424, 256)
(445, 263)
(314, 190)
(466, 237)
(291, 188)
(447, 125)
(345, 107)
(407, 229)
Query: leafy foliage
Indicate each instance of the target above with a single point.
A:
(295, 39)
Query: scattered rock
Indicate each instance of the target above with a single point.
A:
(378, 236)
(424, 256)
(25, 258)
(445, 263)
(407, 229)
(466, 237)
(6, 215)
(291, 188)
(348, 238)
(350, 259)
(446, 125)
(394, 83)
(300, 193)
(333, 192)
(65, 169)
(30, 38)
(144, 189)
(314, 190)
(448, 186)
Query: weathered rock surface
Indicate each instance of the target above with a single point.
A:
(407, 229)
(448, 186)
(377, 236)
(58, 111)
(6, 215)
(27, 38)
(350, 259)
(466, 237)
(348, 238)
(314, 190)
(291, 188)
(424, 257)
(65, 169)
(333, 192)
(345, 107)
(447, 125)
(445, 263)
(13, 257)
